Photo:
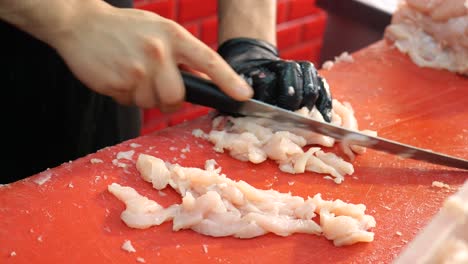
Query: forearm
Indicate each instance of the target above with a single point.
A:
(44, 19)
(247, 18)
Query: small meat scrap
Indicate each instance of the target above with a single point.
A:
(127, 246)
(327, 65)
(214, 205)
(134, 145)
(186, 149)
(343, 57)
(96, 161)
(387, 207)
(119, 164)
(198, 133)
(43, 177)
(440, 185)
(125, 154)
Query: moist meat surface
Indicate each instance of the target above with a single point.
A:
(214, 205)
(296, 150)
(433, 33)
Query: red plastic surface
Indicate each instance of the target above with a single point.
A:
(72, 218)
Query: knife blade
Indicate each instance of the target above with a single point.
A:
(203, 92)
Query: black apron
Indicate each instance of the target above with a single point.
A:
(48, 116)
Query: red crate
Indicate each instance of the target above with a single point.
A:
(288, 34)
(308, 51)
(209, 30)
(193, 28)
(300, 28)
(190, 10)
(314, 25)
(300, 8)
(282, 9)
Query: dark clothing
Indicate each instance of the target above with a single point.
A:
(49, 117)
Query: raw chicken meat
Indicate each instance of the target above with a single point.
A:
(256, 139)
(445, 239)
(215, 205)
(344, 57)
(454, 251)
(127, 246)
(440, 185)
(434, 33)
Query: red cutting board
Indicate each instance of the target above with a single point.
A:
(72, 218)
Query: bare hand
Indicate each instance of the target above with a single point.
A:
(133, 56)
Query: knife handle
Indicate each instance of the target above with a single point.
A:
(203, 92)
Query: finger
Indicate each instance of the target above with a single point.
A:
(144, 95)
(123, 98)
(168, 86)
(192, 71)
(310, 84)
(289, 85)
(134, 76)
(170, 108)
(324, 100)
(200, 57)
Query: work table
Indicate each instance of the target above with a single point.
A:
(72, 218)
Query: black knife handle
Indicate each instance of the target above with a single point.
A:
(203, 92)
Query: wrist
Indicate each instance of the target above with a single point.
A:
(247, 42)
(238, 51)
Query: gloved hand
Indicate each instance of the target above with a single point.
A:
(287, 84)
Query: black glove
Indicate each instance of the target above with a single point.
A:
(287, 84)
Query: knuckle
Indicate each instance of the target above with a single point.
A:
(155, 48)
(170, 25)
(136, 71)
(177, 31)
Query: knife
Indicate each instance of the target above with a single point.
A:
(204, 92)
